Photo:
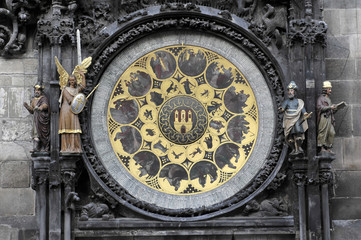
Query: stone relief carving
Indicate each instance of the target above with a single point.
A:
(131, 16)
(95, 209)
(272, 25)
(91, 24)
(17, 15)
(179, 6)
(277, 181)
(307, 30)
(268, 207)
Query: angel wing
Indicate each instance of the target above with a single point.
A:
(63, 75)
(82, 68)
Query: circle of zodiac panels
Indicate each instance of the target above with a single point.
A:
(182, 120)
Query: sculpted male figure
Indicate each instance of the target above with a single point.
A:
(294, 119)
(39, 107)
(326, 119)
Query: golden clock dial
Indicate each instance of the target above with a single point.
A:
(182, 120)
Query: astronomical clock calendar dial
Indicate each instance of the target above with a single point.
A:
(182, 120)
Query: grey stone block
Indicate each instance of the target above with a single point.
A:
(4, 108)
(12, 66)
(8, 233)
(358, 12)
(16, 99)
(17, 201)
(345, 208)
(352, 153)
(348, 23)
(348, 91)
(13, 151)
(338, 69)
(5, 80)
(343, 125)
(30, 81)
(356, 117)
(15, 174)
(16, 130)
(338, 149)
(346, 229)
(358, 68)
(345, 183)
(18, 81)
(340, 4)
(332, 18)
(338, 47)
(31, 66)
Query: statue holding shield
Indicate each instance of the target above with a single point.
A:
(71, 102)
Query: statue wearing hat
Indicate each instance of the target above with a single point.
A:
(326, 119)
(294, 119)
(39, 108)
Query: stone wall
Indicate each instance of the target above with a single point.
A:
(343, 69)
(17, 199)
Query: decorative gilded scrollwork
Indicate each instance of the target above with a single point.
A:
(182, 120)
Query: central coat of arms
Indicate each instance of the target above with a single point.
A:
(183, 119)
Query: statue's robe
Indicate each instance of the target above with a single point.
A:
(326, 121)
(69, 126)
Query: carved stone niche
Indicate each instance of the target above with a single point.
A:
(162, 135)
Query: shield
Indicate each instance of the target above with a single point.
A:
(78, 103)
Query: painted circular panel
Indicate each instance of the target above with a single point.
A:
(182, 120)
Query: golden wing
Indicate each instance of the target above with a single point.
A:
(63, 75)
(83, 68)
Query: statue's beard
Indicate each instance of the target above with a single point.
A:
(291, 95)
(37, 94)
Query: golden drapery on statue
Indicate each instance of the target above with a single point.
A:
(69, 126)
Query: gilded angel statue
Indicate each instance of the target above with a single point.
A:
(71, 87)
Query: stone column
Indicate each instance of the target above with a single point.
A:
(68, 163)
(299, 177)
(53, 27)
(307, 38)
(41, 163)
(325, 181)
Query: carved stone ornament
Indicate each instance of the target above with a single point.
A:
(179, 6)
(18, 15)
(96, 209)
(307, 30)
(56, 31)
(326, 177)
(277, 181)
(111, 188)
(266, 208)
(273, 24)
(300, 179)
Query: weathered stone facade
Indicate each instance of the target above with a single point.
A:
(20, 71)
(17, 78)
(343, 70)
